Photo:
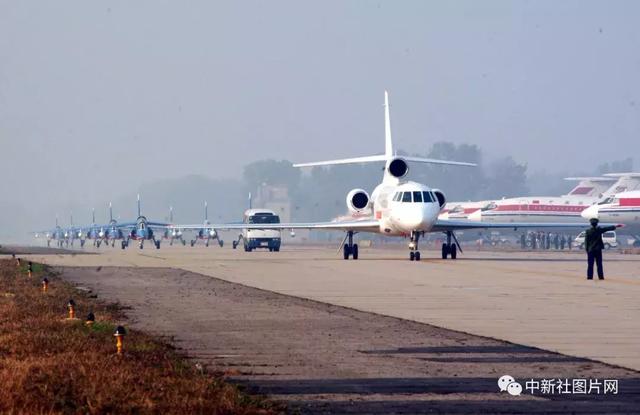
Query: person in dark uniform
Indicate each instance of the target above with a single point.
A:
(563, 241)
(593, 245)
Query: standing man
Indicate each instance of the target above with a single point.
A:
(593, 245)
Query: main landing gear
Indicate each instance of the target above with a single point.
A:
(448, 248)
(235, 244)
(349, 248)
(156, 243)
(180, 239)
(220, 241)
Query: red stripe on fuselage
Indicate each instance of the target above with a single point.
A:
(540, 208)
(630, 201)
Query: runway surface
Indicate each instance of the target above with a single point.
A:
(321, 358)
(385, 334)
(531, 298)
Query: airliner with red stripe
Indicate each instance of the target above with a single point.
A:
(567, 208)
(588, 191)
(621, 208)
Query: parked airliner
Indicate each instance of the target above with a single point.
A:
(623, 208)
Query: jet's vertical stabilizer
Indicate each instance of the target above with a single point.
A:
(590, 186)
(388, 143)
(625, 183)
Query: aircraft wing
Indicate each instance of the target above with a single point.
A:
(365, 225)
(149, 224)
(443, 225)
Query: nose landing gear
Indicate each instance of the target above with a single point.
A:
(414, 254)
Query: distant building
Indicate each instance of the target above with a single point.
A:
(276, 198)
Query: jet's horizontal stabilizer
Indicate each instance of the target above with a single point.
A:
(436, 161)
(353, 160)
(382, 157)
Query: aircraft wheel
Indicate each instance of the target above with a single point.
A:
(445, 251)
(277, 249)
(354, 251)
(124, 244)
(98, 244)
(270, 249)
(454, 251)
(234, 244)
(141, 246)
(157, 244)
(221, 243)
(417, 255)
(81, 244)
(206, 243)
(193, 242)
(184, 243)
(412, 256)
(346, 251)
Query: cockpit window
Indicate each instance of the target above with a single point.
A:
(489, 206)
(397, 196)
(427, 197)
(606, 201)
(417, 197)
(406, 196)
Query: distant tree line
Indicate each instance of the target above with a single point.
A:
(320, 192)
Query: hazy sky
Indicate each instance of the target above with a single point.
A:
(97, 97)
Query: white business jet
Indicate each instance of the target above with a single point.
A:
(396, 207)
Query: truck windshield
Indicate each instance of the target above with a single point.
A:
(264, 219)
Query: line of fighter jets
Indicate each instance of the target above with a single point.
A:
(396, 207)
(140, 230)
